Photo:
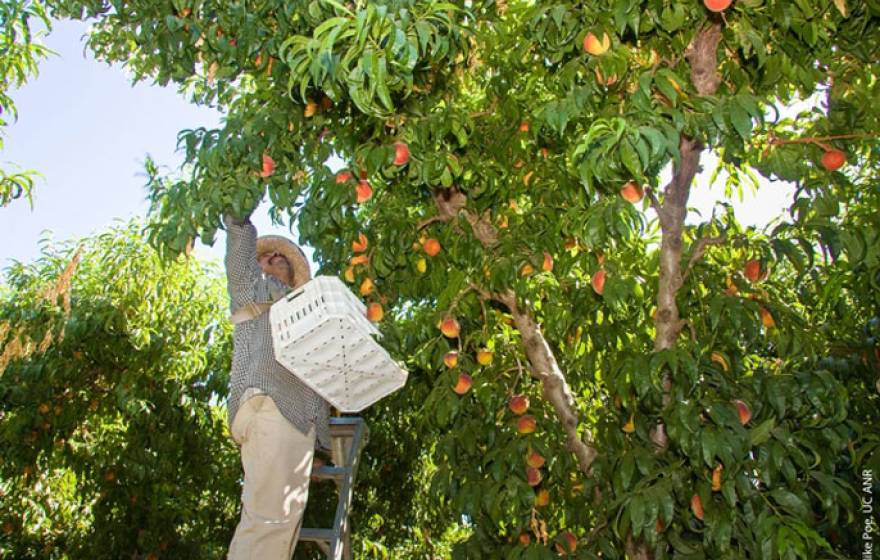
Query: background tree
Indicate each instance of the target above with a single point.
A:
(496, 155)
(112, 372)
(20, 53)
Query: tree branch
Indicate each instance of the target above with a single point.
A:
(556, 391)
(699, 250)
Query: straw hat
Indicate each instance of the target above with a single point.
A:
(299, 266)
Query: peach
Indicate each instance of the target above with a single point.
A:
(518, 404)
(375, 312)
(630, 425)
(464, 384)
(524, 126)
(832, 160)
(717, 5)
(598, 281)
(716, 477)
(450, 327)
(363, 191)
(594, 46)
(535, 460)
(767, 319)
(568, 543)
(484, 357)
(547, 266)
(752, 270)
(343, 177)
(310, 109)
(632, 192)
(745, 413)
(524, 539)
(450, 359)
(697, 506)
(401, 153)
(533, 476)
(432, 247)
(360, 245)
(268, 166)
(526, 424)
(367, 287)
(359, 259)
(542, 498)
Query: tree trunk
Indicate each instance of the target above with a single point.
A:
(702, 57)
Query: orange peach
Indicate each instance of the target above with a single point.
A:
(745, 413)
(401, 153)
(832, 160)
(717, 5)
(697, 506)
(632, 192)
(360, 245)
(484, 357)
(450, 327)
(542, 498)
(716, 477)
(598, 281)
(268, 166)
(526, 424)
(432, 247)
(594, 46)
(752, 270)
(450, 359)
(535, 460)
(533, 476)
(375, 312)
(464, 384)
(363, 191)
(518, 404)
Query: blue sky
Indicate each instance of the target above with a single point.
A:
(87, 131)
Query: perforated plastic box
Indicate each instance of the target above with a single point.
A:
(321, 335)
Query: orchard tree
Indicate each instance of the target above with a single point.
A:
(604, 376)
(112, 440)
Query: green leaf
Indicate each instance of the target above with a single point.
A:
(761, 433)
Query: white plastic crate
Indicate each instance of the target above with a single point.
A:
(321, 334)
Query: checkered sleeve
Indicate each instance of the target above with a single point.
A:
(242, 270)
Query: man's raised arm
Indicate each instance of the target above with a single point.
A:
(242, 269)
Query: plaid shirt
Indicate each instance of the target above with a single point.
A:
(253, 359)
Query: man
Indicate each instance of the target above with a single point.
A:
(274, 417)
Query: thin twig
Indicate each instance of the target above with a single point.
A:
(655, 203)
(775, 140)
(698, 252)
(428, 221)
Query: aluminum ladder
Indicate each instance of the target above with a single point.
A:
(348, 436)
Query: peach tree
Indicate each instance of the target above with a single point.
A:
(113, 443)
(602, 371)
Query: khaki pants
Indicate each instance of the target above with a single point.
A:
(277, 461)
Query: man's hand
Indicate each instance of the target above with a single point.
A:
(317, 463)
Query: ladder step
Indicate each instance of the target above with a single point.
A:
(316, 535)
(330, 473)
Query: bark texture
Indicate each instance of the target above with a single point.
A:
(701, 55)
(555, 390)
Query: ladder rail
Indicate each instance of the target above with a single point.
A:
(338, 547)
(349, 435)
